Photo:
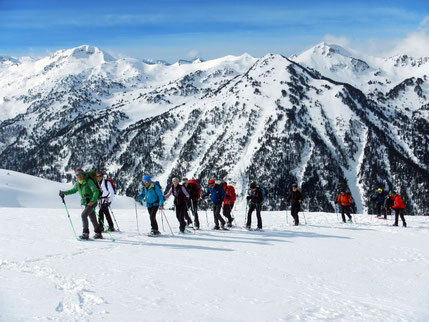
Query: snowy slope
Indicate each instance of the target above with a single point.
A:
(24, 191)
(367, 271)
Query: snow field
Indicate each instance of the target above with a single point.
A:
(368, 271)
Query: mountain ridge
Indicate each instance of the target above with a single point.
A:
(273, 120)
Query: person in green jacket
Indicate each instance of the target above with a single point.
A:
(89, 198)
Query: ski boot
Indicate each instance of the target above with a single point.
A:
(84, 236)
(98, 236)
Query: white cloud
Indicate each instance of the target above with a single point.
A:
(424, 23)
(193, 53)
(342, 41)
(416, 44)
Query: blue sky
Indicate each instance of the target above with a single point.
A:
(170, 30)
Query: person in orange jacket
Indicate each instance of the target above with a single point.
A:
(399, 208)
(345, 201)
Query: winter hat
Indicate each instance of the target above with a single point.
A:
(252, 185)
(211, 181)
(146, 178)
(294, 185)
(379, 189)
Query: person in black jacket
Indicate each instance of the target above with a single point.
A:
(295, 200)
(255, 197)
(180, 200)
(193, 200)
(388, 204)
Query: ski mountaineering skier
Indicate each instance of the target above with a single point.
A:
(217, 195)
(344, 200)
(181, 196)
(107, 193)
(188, 219)
(152, 194)
(388, 203)
(379, 198)
(399, 208)
(256, 198)
(194, 193)
(295, 200)
(89, 193)
(228, 202)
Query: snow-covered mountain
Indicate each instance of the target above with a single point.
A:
(323, 119)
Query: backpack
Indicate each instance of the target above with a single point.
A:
(198, 187)
(111, 181)
(264, 194)
(233, 194)
(158, 184)
(93, 176)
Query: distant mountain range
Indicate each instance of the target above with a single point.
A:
(326, 119)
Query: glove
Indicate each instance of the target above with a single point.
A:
(61, 194)
(248, 197)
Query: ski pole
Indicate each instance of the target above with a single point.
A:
(305, 219)
(230, 213)
(114, 218)
(163, 214)
(287, 218)
(207, 217)
(337, 211)
(162, 222)
(193, 212)
(137, 219)
(68, 215)
(245, 215)
(104, 226)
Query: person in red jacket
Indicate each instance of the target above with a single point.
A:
(399, 208)
(345, 201)
(228, 202)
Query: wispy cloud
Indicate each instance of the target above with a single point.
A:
(342, 41)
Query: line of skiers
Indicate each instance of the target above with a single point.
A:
(95, 189)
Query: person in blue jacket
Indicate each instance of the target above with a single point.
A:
(151, 192)
(216, 195)
(379, 198)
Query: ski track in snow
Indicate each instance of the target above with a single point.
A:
(324, 270)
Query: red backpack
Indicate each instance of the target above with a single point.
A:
(232, 194)
(111, 181)
(198, 187)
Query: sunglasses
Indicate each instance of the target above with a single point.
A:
(99, 175)
(79, 175)
(145, 182)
